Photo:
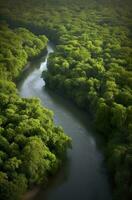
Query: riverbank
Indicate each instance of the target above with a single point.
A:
(31, 146)
(83, 174)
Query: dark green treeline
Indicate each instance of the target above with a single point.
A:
(92, 66)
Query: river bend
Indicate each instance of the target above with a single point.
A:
(83, 176)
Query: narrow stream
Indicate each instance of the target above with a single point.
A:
(83, 176)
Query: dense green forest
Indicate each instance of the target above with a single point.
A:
(92, 66)
(16, 47)
(31, 146)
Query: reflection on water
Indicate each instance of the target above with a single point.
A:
(83, 175)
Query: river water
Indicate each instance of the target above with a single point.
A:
(83, 175)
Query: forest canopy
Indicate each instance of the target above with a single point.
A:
(31, 145)
(92, 66)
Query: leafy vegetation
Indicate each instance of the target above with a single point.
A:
(16, 47)
(31, 146)
(92, 66)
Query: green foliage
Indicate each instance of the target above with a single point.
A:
(31, 146)
(91, 65)
(14, 57)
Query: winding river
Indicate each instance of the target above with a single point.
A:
(83, 176)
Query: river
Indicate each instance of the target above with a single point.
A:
(83, 175)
